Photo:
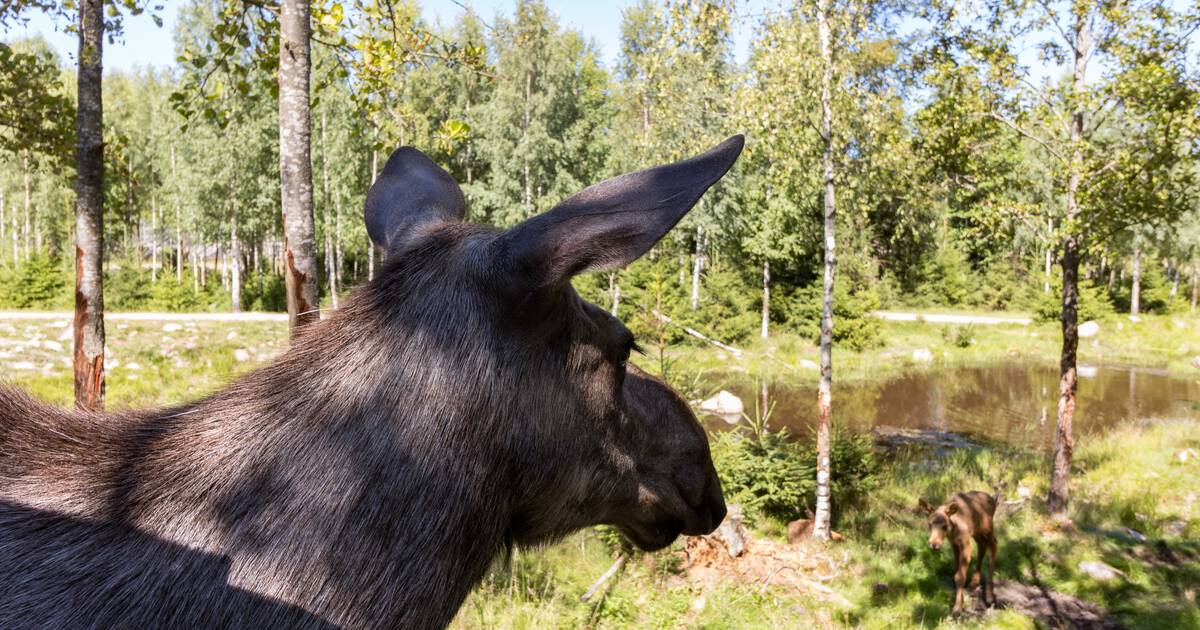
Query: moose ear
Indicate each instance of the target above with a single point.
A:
(410, 194)
(610, 224)
(925, 506)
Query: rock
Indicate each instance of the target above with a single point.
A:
(111, 362)
(1186, 455)
(1086, 371)
(232, 335)
(67, 334)
(1134, 534)
(171, 327)
(805, 364)
(134, 366)
(241, 355)
(22, 365)
(1024, 492)
(922, 355)
(723, 404)
(731, 533)
(1099, 571)
(1088, 329)
(1135, 319)
(62, 323)
(52, 345)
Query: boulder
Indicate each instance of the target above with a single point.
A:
(171, 327)
(1099, 571)
(723, 404)
(241, 355)
(1088, 329)
(922, 355)
(805, 364)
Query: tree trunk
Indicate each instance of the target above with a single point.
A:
(1174, 281)
(295, 165)
(697, 263)
(1194, 289)
(178, 229)
(1135, 293)
(330, 262)
(1064, 442)
(235, 258)
(766, 301)
(614, 293)
(371, 245)
(25, 168)
(338, 263)
(153, 240)
(821, 521)
(89, 212)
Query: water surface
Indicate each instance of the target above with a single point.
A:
(1010, 402)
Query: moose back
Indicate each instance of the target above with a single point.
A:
(464, 401)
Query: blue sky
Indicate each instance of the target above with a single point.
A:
(146, 44)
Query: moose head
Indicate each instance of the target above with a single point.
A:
(464, 401)
(597, 439)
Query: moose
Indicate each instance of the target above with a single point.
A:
(464, 402)
(964, 517)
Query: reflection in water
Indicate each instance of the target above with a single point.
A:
(1014, 403)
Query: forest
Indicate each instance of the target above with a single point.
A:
(1008, 160)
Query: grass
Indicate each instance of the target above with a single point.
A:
(1168, 342)
(149, 363)
(1128, 478)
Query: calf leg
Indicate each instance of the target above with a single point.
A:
(977, 575)
(962, 564)
(989, 586)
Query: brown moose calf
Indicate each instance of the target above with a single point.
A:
(963, 517)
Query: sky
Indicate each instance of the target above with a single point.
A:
(145, 44)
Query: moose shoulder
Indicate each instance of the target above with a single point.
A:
(464, 401)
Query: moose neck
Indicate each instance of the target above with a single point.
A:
(339, 474)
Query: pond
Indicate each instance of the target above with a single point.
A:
(1014, 403)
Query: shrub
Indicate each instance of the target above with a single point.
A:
(1094, 304)
(39, 282)
(272, 298)
(774, 476)
(854, 325)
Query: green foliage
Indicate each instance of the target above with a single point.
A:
(1094, 304)
(272, 298)
(854, 326)
(40, 283)
(773, 475)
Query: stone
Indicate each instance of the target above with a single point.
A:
(171, 327)
(22, 365)
(1135, 319)
(232, 335)
(1088, 329)
(241, 355)
(922, 355)
(1187, 454)
(52, 345)
(805, 364)
(1086, 371)
(134, 366)
(1024, 492)
(723, 404)
(1135, 535)
(1099, 571)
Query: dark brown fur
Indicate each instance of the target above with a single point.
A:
(464, 401)
(966, 516)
